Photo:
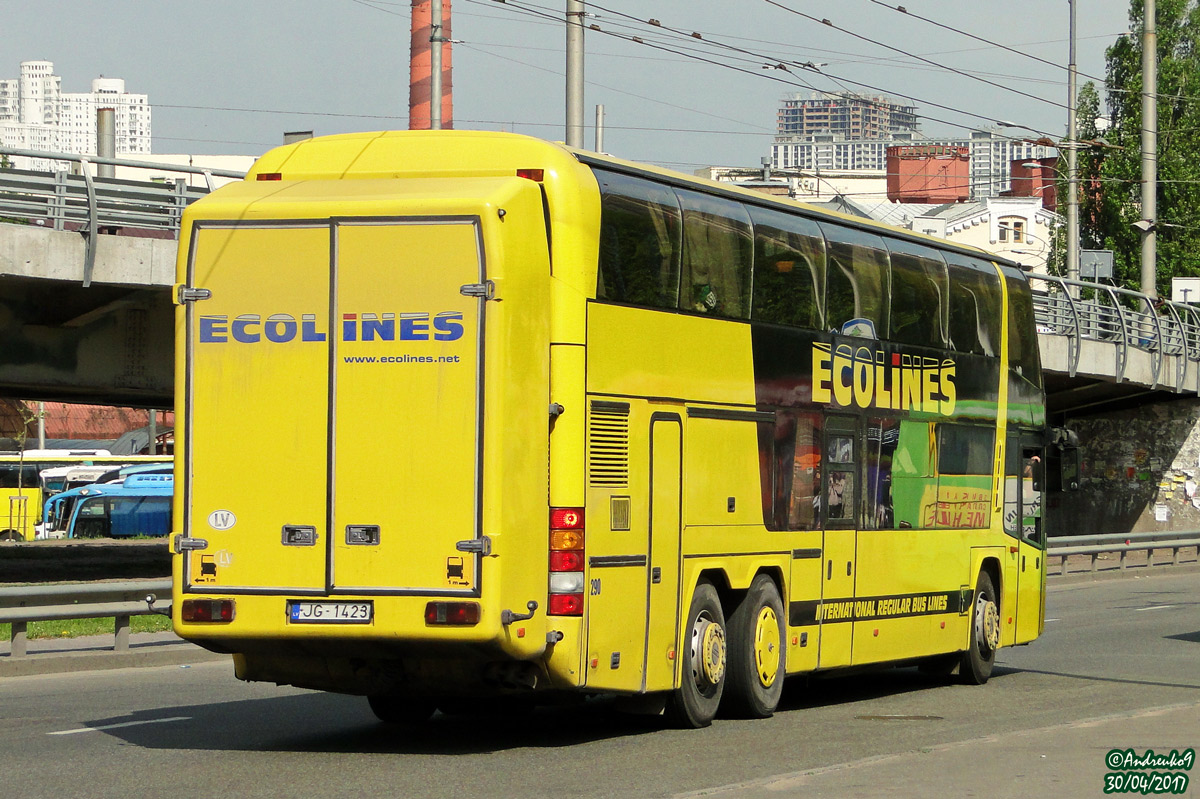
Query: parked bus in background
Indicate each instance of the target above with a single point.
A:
(58, 511)
(140, 505)
(560, 423)
(23, 491)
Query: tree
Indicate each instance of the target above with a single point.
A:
(1110, 178)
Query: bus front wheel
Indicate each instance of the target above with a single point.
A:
(694, 703)
(977, 661)
(756, 642)
(11, 535)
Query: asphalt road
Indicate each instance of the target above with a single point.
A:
(1119, 666)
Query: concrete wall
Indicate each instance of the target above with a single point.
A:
(1140, 472)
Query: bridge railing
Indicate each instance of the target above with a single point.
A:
(1129, 319)
(1122, 544)
(63, 199)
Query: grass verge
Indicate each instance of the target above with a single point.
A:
(73, 628)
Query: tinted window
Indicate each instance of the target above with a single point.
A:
(856, 284)
(640, 241)
(789, 270)
(790, 456)
(882, 440)
(974, 305)
(920, 290)
(963, 449)
(717, 253)
(1023, 356)
(15, 475)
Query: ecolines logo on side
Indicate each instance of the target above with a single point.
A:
(281, 328)
(849, 376)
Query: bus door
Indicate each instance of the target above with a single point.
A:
(633, 561)
(1024, 487)
(406, 460)
(839, 503)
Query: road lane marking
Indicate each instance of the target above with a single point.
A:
(1153, 607)
(122, 724)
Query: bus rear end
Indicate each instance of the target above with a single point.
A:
(365, 368)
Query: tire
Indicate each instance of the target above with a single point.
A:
(756, 653)
(402, 710)
(11, 535)
(977, 662)
(939, 665)
(702, 681)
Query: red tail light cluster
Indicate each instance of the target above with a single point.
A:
(207, 610)
(566, 562)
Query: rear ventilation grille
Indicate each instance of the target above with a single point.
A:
(608, 445)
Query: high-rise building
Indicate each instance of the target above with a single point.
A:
(35, 114)
(849, 116)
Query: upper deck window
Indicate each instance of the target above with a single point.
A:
(857, 282)
(974, 305)
(640, 241)
(789, 270)
(717, 256)
(920, 289)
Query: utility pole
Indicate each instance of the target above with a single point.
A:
(600, 128)
(575, 73)
(1149, 150)
(1072, 160)
(435, 64)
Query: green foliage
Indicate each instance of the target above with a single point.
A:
(1110, 179)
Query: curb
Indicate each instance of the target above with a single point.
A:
(90, 655)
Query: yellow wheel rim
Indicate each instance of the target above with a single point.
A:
(766, 646)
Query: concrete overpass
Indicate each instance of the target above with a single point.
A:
(87, 267)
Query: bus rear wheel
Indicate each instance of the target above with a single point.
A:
(401, 710)
(756, 644)
(11, 535)
(694, 703)
(978, 660)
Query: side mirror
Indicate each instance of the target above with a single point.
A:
(1069, 468)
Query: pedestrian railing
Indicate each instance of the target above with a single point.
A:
(1128, 319)
(22, 604)
(1122, 544)
(75, 199)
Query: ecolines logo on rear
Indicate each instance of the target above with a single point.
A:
(281, 328)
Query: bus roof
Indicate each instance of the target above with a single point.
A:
(473, 153)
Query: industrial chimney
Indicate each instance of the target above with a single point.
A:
(420, 68)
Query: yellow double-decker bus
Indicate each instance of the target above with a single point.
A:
(550, 421)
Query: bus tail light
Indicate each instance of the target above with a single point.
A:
(566, 562)
(207, 610)
(531, 174)
(458, 614)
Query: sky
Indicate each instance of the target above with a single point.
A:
(231, 77)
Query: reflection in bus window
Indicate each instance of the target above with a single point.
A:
(856, 286)
(920, 289)
(882, 440)
(791, 457)
(840, 494)
(717, 253)
(974, 305)
(789, 270)
(964, 459)
(640, 241)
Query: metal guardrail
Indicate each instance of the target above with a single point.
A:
(1128, 319)
(1123, 543)
(20, 605)
(64, 200)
